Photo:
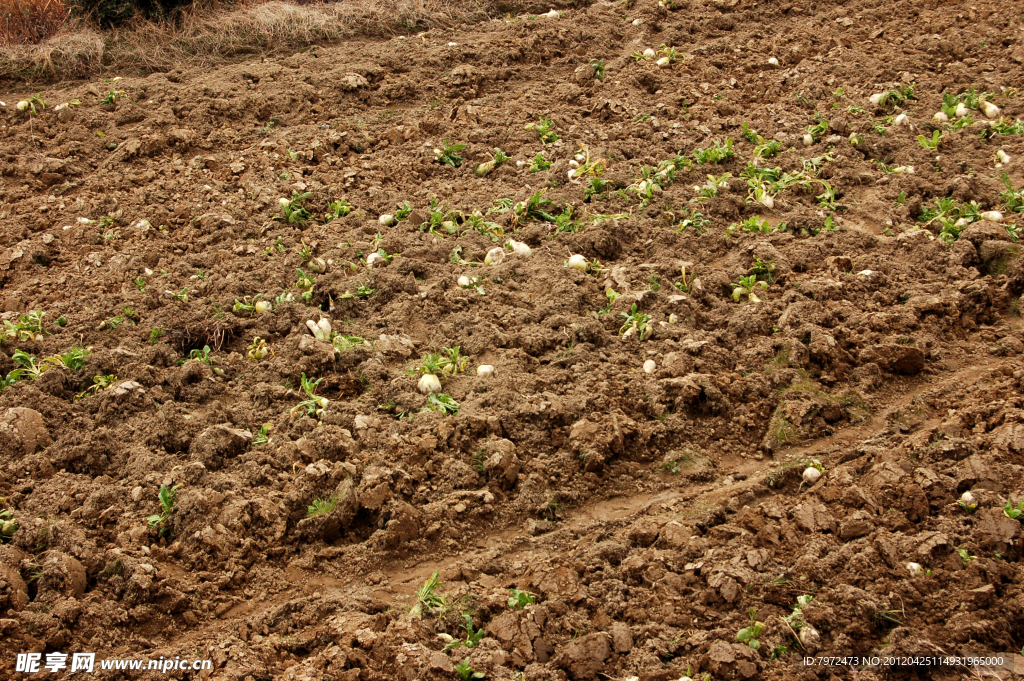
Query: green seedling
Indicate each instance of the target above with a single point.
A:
(449, 155)
(29, 365)
(314, 406)
(545, 130)
(427, 600)
(931, 143)
(636, 323)
(403, 211)
(140, 284)
(537, 207)
(321, 506)
(98, 383)
(1014, 513)
(965, 556)
(499, 157)
(473, 636)
(466, 672)
(304, 283)
(180, 296)
(202, 356)
(1013, 198)
(767, 149)
(520, 599)
(362, 291)
(73, 359)
(343, 342)
(162, 520)
(338, 209)
(716, 153)
(539, 163)
(258, 349)
(8, 526)
(749, 634)
(32, 106)
(713, 187)
(155, 334)
(896, 97)
(29, 327)
(696, 221)
(445, 404)
(252, 305)
(818, 129)
(598, 66)
(292, 212)
(746, 287)
(112, 97)
(262, 436)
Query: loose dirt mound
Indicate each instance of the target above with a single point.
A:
(635, 463)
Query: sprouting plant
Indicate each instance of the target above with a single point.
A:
(763, 269)
(965, 556)
(180, 296)
(466, 672)
(251, 305)
(449, 155)
(636, 323)
(716, 153)
(443, 403)
(202, 356)
(112, 97)
(403, 211)
(1014, 513)
(155, 334)
(73, 359)
(30, 105)
(545, 130)
(520, 599)
(598, 66)
(752, 224)
(140, 284)
(292, 212)
(767, 149)
(262, 436)
(746, 287)
(749, 133)
(473, 636)
(932, 142)
(891, 99)
(537, 207)
(714, 186)
(29, 327)
(796, 619)
(98, 383)
(343, 342)
(161, 521)
(1013, 198)
(8, 525)
(314, 406)
(321, 506)
(539, 163)
(750, 633)
(30, 366)
(696, 221)
(258, 349)
(427, 598)
(818, 129)
(683, 284)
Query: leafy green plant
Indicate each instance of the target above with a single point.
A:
(112, 96)
(321, 506)
(716, 153)
(965, 556)
(29, 327)
(262, 436)
(539, 163)
(818, 129)
(73, 359)
(746, 287)
(545, 130)
(598, 66)
(931, 143)
(443, 403)
(1014, 513)
(520, 599)
(258, 349)
(897, 96)
(749, 634)
(427, 598)
(155, 334)
(314, 406)
(98, 383)
(162, 520)
(292, 211)
(337, 209)
(466, 672)
(537, 207)
(29, 365)
(714, 186)
(449, 155)
(636, 323)
(8, 526)
(473, 636)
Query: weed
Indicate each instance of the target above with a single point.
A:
(520, 599)
(636, 323)
(98, 383)
(545, 130)
(466, 672)
(321, 506)
(262, 436)
(537, 207)
(427, 600)
(162, 521)
(449, 155)
(473, 636)
(716, 153)
(443, 403)
(292, 211)
(155, 334)
(750, 633)
(313, 406)
(539, 163)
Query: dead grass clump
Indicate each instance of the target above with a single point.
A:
(204, 36)
(26, 22)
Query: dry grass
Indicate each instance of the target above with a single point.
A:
(205, 36)
(30, 21)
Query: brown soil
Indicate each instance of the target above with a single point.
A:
(646, 513)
